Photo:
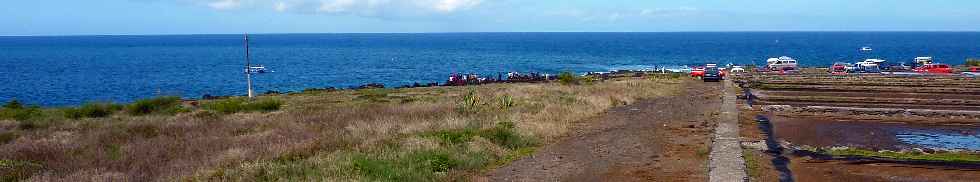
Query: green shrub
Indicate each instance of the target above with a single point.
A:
(13, 104)
(267, 105)
(21, 113)
(414, 166)
(502, 134)
(92, 110)
(165, 104)
(568, 78)
(453, 137)
(469, 103)
(235, 105)
(973, 62)
(506, 101)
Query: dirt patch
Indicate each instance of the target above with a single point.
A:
(874, 112)
(664, 139)
(806, 169)
(758, 164)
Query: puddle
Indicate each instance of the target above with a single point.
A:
(947, 141)
(874, 135)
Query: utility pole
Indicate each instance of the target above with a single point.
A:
(248, 69)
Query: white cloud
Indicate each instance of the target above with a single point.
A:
(624, 15)
(453, 5)
(281, 6)
(351, 7)
(661, 12)
(224, 4)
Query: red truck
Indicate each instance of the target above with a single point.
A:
(935, 68)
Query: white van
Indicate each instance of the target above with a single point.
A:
(781, 63)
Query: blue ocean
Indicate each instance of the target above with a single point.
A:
(71, 70)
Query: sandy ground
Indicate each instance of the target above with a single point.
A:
(664, 139)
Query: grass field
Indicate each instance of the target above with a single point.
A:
(415, 134)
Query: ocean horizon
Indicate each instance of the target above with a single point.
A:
(71, 70)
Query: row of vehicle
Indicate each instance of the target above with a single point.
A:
(843, 68)
(713, 73)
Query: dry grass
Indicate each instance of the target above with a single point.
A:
(365, 135)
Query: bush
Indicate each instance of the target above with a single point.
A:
(165, 104)
(469, 103)
(506, 101)
(973, 62)
(16, 111)
(502, 134)
(424, 165)
(92, 110)
(235, 105)
(568, 78)
(21, 114)
(13, 104)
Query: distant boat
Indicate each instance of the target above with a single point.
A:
(866, 48)
(258, 69)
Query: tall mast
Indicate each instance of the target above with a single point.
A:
(248, 68)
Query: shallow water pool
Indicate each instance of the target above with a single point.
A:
(822, 132)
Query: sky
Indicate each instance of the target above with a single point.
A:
(129, 17)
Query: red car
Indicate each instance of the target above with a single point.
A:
(975, 69)
(934, 68)
(839, 69)
(697, 72)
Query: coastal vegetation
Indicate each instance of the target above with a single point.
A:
(972, 62)
(568, 78)
(92, 110)
(235, 105)
(157, 105)
(411, 134)
(939, 156)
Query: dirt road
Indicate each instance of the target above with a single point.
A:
(664, 139)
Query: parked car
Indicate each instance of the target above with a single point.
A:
(788, 70)
(934, 68)
(737, 69)
(781, 63)
(712, 74)
(697, 72)
(839, 68)
(923, 61)
(898, 67)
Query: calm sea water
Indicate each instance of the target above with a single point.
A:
(70, 70)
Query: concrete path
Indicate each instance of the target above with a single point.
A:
(726, 162)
